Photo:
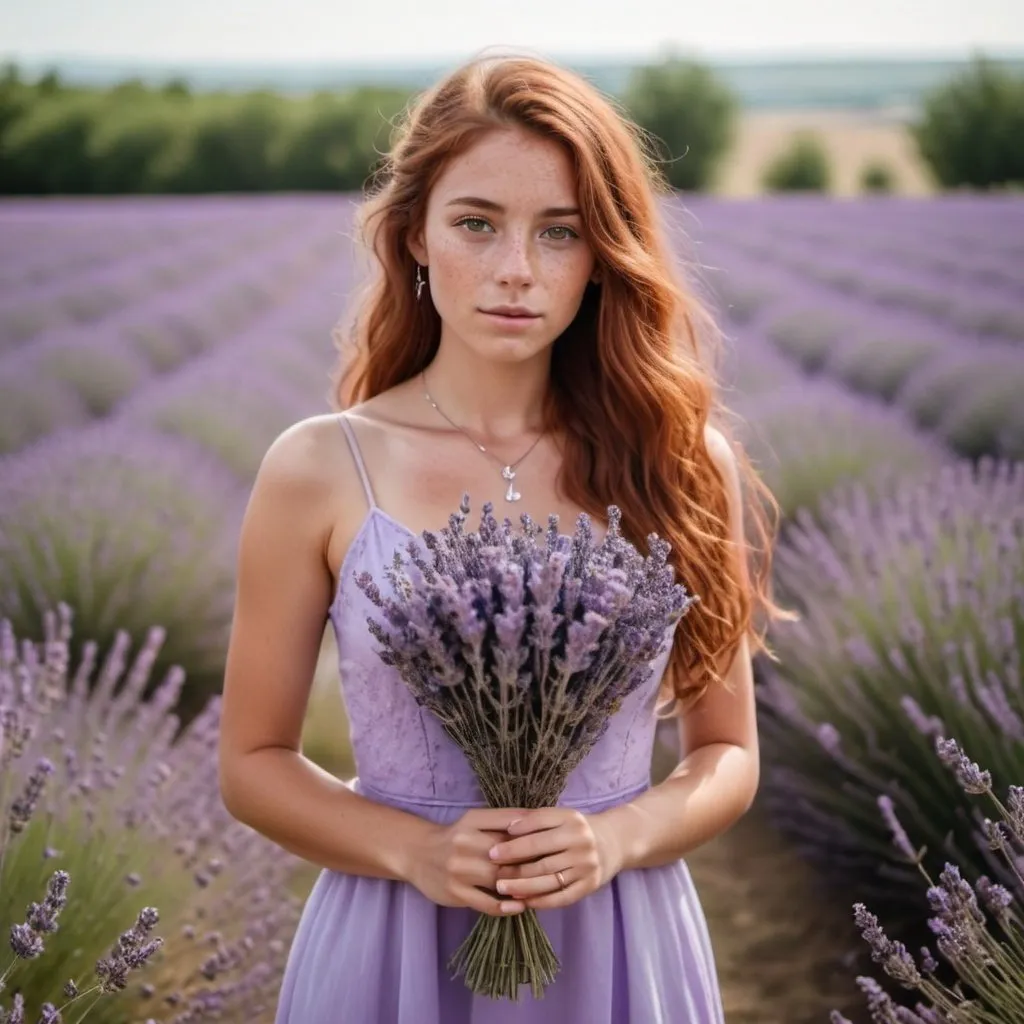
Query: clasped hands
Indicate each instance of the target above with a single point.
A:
(502, 861)
(549, 842)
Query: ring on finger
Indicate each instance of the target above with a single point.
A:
(561, 879)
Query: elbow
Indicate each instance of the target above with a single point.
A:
(227, 782)
(753, 780)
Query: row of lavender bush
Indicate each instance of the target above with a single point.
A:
(70, 376)
(907, 566)
(954, 379)
(130, 518)
(130, 522)
(88, 287)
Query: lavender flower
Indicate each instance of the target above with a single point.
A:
(899, 835)
(993, 969)
(132, 951)
(971, 778)
(546, 637)
(893, 956)
(24, 806)
(996, 898)
(110, 778)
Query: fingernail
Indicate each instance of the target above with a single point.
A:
(495, 852)
(514, 821)
(502, 887)
(509, 908)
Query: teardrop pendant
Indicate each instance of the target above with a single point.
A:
(509, 474)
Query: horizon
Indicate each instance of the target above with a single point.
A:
(431, 60)
(269, 32)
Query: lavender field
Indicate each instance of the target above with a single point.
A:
(151, 349)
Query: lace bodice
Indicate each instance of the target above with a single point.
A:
(400, 749)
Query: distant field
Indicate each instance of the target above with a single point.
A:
(850, 137)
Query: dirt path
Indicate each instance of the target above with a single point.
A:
(786, 949)
(780, 942)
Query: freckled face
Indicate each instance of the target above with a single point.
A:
(500, 231)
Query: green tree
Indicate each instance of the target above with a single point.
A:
(50, 84)
(224, 144)
(971, 132)
(45, 150)
(877, 176)
(691, 115)
(802, 167)
(15, 96)
(334, 141)
(128, 144)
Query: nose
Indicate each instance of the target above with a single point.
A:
(514, 267)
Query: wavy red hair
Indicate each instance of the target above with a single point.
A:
(632, 378)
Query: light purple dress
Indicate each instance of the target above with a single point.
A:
(374, 951)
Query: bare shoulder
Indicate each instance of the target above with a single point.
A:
(304, 464)
(295, 457)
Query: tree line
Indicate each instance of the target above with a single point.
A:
(136, 139)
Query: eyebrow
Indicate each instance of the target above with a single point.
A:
(487, 204)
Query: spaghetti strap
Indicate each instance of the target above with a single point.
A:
(358, 456)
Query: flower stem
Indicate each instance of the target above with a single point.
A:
(502, 953)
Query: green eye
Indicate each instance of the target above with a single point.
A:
(473, 220)
(564, 227)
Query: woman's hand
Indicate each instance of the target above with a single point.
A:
(451, 866)
(553, 840)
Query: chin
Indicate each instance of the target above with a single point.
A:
(513, 350)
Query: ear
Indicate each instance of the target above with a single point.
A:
(417, 248)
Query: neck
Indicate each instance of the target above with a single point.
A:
(493, 401)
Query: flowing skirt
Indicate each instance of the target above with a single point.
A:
(375, 951)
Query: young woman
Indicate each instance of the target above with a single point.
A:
(525, 341)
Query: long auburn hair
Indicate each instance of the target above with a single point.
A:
(632, 380)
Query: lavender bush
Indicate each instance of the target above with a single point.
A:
(128, 528)
(523, 651)
(1011, 435)
(878, 362)
(978, 931)
(754, 369)
(99, 377)
(913, 624)
(113, 822)
(931, 389)
(807, 335)
(30, 412)
(809, 437)
(975, 421)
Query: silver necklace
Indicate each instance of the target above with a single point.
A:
(508, 470)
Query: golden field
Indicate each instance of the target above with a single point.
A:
(851, 139)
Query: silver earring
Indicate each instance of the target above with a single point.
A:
(419, 282)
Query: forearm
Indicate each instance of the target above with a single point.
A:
(708, 791)
(291, 800)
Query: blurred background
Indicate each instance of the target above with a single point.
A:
(177, 185)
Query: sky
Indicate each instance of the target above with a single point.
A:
(362, 31)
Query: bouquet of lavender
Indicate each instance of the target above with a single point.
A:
(523, 650)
